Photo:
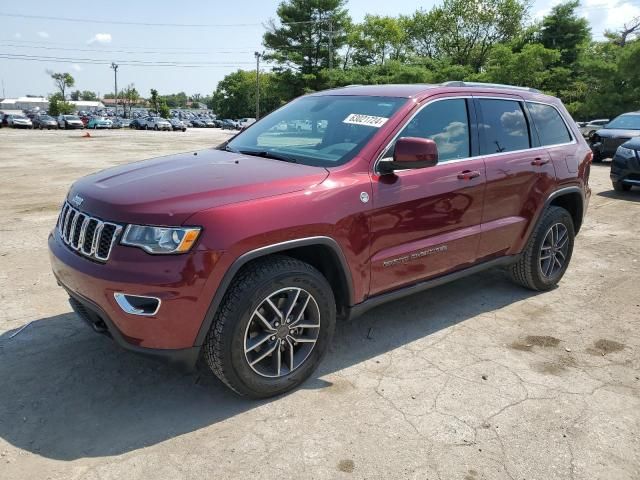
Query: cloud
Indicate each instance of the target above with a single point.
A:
(43, 34)
(100, 38)
(17, 35)
(76, 67)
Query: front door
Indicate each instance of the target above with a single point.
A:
(426, 222)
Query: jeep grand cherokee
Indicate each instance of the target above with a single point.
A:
(247, 254)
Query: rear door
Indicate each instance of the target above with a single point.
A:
(426, 222)
(519, 174)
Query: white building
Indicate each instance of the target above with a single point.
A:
(24, 103)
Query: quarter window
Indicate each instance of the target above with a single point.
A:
(503, 127)
(551, 128)
(446, 122)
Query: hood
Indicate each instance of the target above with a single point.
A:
(617, 133)
(633, 144)
(168, 190)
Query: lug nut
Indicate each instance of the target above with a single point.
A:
(276, 324)
(273, 338)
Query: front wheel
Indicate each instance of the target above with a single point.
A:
(547, 255)
(621, 187)
(272, 328)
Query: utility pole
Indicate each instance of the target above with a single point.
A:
(115, 77)
(330, 42)
(258, 55)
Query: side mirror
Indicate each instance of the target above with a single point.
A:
(410, 153)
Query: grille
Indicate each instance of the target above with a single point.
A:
(87, 235)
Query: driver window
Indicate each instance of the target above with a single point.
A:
(446, 122)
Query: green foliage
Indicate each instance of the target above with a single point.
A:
(301, 41)
(564, 31)
(164, 109)
(235, 96)
(58, 106)
(154, 99)
(475, 40)
(62, 81)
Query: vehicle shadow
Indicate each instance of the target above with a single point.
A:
(68, 393)
(632, 195)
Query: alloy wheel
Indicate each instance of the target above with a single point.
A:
(554, 250)
(282, 332)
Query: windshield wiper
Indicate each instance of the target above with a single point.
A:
(267, 154)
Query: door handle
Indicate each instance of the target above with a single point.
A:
(468, 175)
(538, 162)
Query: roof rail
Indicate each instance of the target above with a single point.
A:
(458, 83)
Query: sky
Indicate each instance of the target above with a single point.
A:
(232, 34)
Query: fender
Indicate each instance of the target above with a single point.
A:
(261, 252)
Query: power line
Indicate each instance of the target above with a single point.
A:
(146, 24)
(147, 52)
(130, 63)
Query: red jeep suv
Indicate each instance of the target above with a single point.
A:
(247, 253)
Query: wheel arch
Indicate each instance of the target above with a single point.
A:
(323, 253)
(571, 199)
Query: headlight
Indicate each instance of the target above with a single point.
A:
(625, 152)
(160, 240)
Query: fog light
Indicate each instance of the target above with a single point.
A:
(137, 304)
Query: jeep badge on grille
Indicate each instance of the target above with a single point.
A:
(77, 200)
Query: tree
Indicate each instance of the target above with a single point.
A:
(75, 95)
(464, 31)
(563, 30)
(129, 97)
(154, 99)
(310, 31)
(88, 96)
(164, 109)
(235, 96)
(62, 81)
(376, 40)
(58, 106)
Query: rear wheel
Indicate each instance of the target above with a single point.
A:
(272, 328)
(547, 255)
(621, 187)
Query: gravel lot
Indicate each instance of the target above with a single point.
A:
(477, 379)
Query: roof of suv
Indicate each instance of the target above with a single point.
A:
(420, 90)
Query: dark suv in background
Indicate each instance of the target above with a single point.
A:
(605, 141)
(248, 253)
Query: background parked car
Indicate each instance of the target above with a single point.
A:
(177, 124)
(70, 121)
(625, 166)
(245, 122)
(605, 142)
(99, 122)
(157, 123)
(197, 123)
(228, 124)
(19, 121)
(138, 123)
(44, 121)
(120, 122)
(588, 128)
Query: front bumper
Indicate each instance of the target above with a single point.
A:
(177, 280)
(625, 170)
(606, 146)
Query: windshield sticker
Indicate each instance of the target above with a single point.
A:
(365, 120)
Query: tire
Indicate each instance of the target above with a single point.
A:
(597, 157)
(621, 187)
(276, 278)
(156, 128)
(531, 270)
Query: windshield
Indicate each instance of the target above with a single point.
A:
(323, 131)
(71, 117)
(625, 122)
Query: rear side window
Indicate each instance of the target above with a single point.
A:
(446, 122)
(551, 128)
(503, 127)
